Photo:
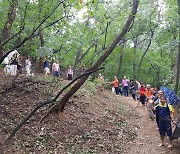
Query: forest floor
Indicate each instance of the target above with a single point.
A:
(94, 121)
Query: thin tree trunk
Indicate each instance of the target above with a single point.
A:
(7, 27)
(134, 60)
(142, 58)
(178, 55)
(120, 61)
(68, 95)
(40, 63)
(2, 56)
(78, 55)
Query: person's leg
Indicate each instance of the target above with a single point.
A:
(162, 132)
(142, 100)
(123, 90)
(54, 74)
(127, 91)
(11, 70)
(133, 94)
(69, 76)
(117, 90)
(45, 71)
(4, 69)
(134, 97)
(120, 91)
(169, 133)
(14, 68)
(162, 140)
(151, 114)
(57, 73)
(157, 120)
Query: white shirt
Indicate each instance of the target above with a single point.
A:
(6, 60)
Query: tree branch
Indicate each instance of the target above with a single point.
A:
(41, 104)
(32, 33)
(21, 28)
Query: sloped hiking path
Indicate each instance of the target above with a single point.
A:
(147, 140)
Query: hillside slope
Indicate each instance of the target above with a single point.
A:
(94, 121)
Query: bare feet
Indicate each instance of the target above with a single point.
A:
(170, 146)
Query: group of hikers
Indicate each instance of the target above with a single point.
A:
(14, 62)
(158, 106)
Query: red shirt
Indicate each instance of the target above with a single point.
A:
(142, 90)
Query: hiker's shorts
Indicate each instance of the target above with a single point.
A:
(165, 128)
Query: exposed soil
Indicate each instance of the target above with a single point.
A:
(148, 139)
(94, 121)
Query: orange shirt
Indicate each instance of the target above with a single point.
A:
(148, 92)
(116, 83)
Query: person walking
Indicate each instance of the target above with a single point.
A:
(142, 96)
(56, 69)
(125, 86)
(5, 65)
(13, 64)
(132, 88)
(28, 66)
(69, 73)
(116, 85)
(46, 67)
(165, 113)
(149, 101)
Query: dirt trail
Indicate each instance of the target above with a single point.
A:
(147, 140)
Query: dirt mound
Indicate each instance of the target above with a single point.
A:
(94, 121)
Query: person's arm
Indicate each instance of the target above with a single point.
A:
(172, 112)
(173, 118)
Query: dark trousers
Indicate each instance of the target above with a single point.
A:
(142, 99)
(120, 91)
(116, 90)
(134, 96)
(56, 73)
(133, 92)
(69, 77)
(125, 90)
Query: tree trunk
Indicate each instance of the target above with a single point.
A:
(142, 58)
(131, 17)
(78, 55)
(3, 55)
(134, 60)
(178, 55)
(7, 27)
(40, 63)
(120, 61)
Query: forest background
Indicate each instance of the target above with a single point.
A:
(77, 32)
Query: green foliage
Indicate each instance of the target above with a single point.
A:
(96, 23)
